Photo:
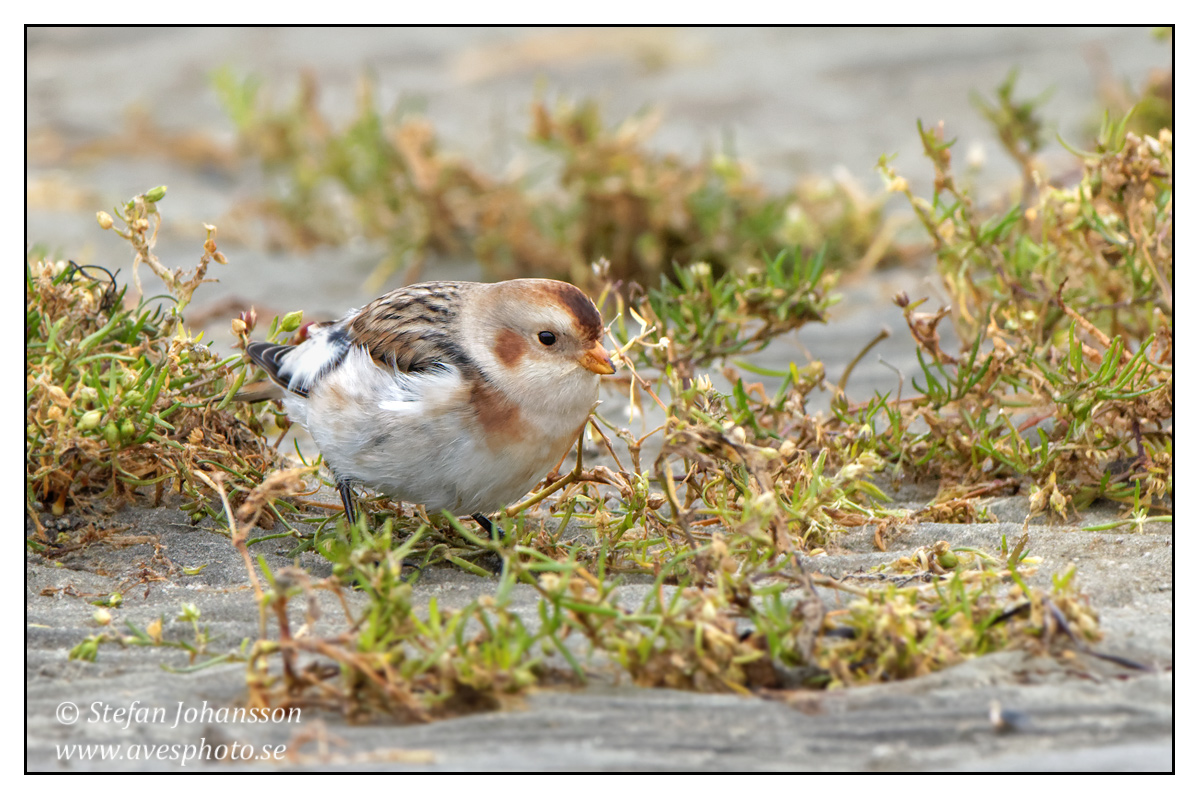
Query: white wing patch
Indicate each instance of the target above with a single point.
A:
(415, 392)
(308, 361)
(360, 376)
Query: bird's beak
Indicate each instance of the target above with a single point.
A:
(596, 360)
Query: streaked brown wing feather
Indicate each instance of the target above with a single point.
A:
(413, 329)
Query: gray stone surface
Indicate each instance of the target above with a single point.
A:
(795, 102)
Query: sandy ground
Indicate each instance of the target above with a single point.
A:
(794, 102)
(1088, 712)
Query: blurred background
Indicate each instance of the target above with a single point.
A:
(338, 163)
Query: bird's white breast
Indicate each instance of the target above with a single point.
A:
(417, 436)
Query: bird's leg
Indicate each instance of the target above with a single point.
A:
(352, 518)
(494, 560)
(347, 500)
(489, 526)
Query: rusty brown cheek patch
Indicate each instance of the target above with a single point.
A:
(499, 418)
(509, 347)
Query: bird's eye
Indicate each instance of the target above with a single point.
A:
(547, 338)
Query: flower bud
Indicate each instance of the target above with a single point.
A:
(89, 420)
(291, 321)
(947, 560)
(155, 194)
(104, 219)
(112, 435)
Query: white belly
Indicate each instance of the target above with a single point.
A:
(413, 438)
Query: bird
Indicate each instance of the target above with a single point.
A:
(456, 395)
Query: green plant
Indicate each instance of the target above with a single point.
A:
(385, 176)
(1060, 385)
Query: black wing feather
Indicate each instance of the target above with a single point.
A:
(270, 357)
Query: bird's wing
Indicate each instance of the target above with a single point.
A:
(409, 330)
(414, 329)
(296, 367)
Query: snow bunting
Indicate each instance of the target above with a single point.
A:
(459, 396)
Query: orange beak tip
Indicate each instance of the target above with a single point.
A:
(596, 360)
